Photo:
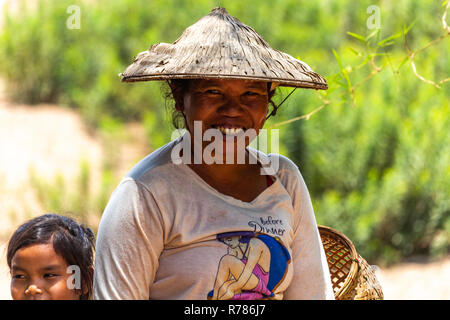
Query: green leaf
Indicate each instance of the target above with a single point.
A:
(386, 44)
(403, 62)
(388, 41)
(344, 72)
(357, 36)
(405, 31)
(338, 59)
(366, 60)
(373, 34)
(354, 51)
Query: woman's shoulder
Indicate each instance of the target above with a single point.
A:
(284, 163)
(281, 166)
(274, 162)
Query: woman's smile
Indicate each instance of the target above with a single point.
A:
(232, 107)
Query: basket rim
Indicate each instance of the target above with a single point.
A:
(354, 268)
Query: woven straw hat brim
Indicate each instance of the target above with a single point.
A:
(219, 46)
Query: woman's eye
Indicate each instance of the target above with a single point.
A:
(251, 93)
(212, 92)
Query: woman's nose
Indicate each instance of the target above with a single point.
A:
(32, 290)
(231, 107)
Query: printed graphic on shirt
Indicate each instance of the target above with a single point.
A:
(268, 225)
(253, 267)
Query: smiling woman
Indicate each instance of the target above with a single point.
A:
(158, 236)
(180, 87)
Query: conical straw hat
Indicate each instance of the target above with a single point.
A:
(219, 46)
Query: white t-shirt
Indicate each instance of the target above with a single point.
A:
(167, 234)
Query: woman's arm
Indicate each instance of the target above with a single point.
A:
(129, 242)
(311, 278)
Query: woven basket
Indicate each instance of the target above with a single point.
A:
(352, 277)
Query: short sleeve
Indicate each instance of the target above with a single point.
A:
(129, 241)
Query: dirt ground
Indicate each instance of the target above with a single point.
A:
(417, 280)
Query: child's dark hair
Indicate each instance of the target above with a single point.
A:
(73, 242)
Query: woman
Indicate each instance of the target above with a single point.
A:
(158, 235)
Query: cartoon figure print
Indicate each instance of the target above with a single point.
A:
(252, 268)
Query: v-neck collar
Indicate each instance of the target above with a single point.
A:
(228, 198)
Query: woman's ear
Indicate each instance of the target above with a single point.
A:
(177, 94)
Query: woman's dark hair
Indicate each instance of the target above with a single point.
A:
(72, 241)
(175, 91)
(244, 236)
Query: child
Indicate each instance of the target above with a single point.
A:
(51, 257)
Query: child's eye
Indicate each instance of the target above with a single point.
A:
(18, 276)
(50, 275)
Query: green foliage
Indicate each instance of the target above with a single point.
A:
(375, 157)
(44, 61)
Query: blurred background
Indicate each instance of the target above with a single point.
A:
(373, 149)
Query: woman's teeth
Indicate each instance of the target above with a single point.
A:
(230, 131)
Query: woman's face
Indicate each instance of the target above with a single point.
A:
(230, 106)
(39, 273)
(232, 242)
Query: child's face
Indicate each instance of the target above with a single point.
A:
(39, 273)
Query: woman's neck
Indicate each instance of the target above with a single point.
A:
(231, 173)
